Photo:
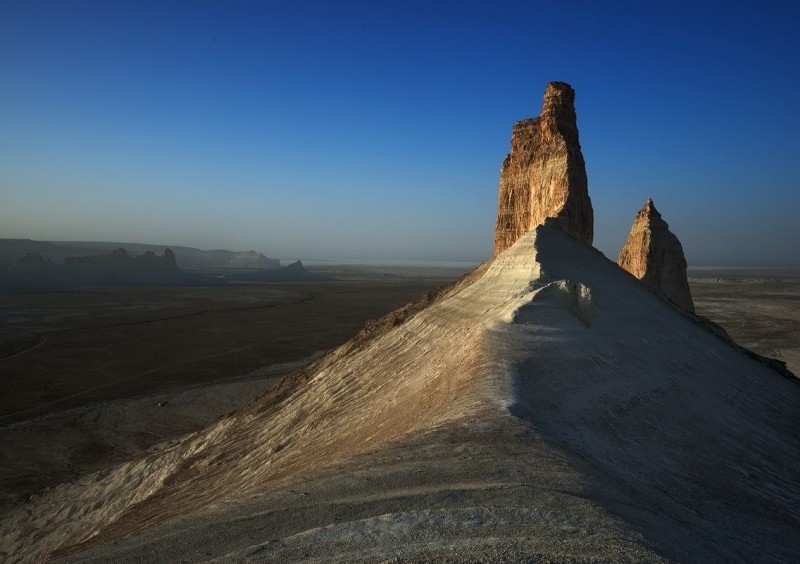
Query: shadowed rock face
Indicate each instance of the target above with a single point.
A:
(544, 174)
(654, 255)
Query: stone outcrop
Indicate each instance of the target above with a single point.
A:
(169, 259)
(120, 257)
(654, 255)
(31, 259)
(544, 174)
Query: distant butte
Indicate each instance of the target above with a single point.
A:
(654, 255)
(544, 174)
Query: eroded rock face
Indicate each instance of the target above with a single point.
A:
(654, 255)
(544, 174)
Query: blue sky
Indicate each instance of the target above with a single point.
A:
(375, 130)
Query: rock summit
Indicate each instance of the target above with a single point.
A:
(544, 174)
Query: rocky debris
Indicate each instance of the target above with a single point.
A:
(544, 174)
(654, 255)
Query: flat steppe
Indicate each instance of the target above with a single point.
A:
(93, 376)
(759, 308)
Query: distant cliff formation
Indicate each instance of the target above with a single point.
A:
(117, 268)
(295, 272)
(654, 255)
(190, 257)
(185, 257)
(195, 258)
(544, 174)
(121, 268)
(120, 257)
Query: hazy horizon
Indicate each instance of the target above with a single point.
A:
(353, 131)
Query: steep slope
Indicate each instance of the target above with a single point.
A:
(654, 255)
(544, 174)
(545, 405)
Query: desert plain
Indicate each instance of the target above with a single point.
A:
(759, 308)
(94, 376)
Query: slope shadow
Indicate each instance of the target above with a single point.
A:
(700, 439)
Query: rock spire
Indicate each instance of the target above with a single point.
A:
(544, 174)
(654, 255)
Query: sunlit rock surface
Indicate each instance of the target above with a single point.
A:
(654, 255)
(544, 174)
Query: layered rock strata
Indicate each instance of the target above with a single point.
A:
(544, 174)
(654, 255)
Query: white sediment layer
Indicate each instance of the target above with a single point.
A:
(623, 429)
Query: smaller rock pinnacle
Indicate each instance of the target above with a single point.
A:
(654, 255)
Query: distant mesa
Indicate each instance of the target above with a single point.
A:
(120, 255)
(117, 267)
(248, 259)
(190, 257)
(31, 259)
(43, 264)
(544, 174)
(185, 257)
(294, 272)
(654, 255)
(121, 258)
(169, 259)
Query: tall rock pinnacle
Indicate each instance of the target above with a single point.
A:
(654, 255)
(544, 174)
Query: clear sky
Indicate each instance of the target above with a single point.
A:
(376, 130)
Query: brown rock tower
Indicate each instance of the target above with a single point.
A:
(654, 255)
(544, 174)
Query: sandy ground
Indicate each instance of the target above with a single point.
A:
(548, 405)
(64, 445)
